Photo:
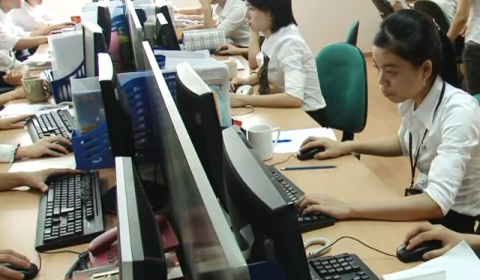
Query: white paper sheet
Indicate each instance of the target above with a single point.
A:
(458, 263)
(27, 109)
(298, 136)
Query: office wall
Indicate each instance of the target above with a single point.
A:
(321, 21)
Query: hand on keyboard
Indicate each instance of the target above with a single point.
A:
(13, 123)
(324, 204)
(47, 146)
(37, 179)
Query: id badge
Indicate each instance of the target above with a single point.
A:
(412, 191)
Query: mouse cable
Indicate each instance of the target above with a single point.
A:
(248, 112)
(328, 246)
(277, 163)
(53, 253)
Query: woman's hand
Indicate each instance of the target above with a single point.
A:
(13, 258)
(430, 232)
(237, 82)
(13, 123)
(333, 149)
(37, 179)
(46, 146)
(324, 204)
(229, 49)
(237, 101)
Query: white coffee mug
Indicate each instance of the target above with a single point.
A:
(260, 136)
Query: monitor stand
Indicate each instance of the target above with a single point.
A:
(157, 195)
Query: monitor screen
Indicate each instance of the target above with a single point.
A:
(104, 20)
(196, 105)
(140, 242)
(213, 254)
(93, 44)
(256, 206)
(117, 109)
(136, 34)
(166, 36)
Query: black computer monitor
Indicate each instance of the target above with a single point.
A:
(120, 128)
(140, 242)
(196, 105)
(93, 44)
(166, 36)
(136, 34)
(254, 201)
(104, 20)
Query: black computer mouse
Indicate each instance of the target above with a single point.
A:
(27, 273)
(310, 153)
(416, 254)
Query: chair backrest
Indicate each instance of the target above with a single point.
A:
(353, 33)
(383, 7)
(477, 96)
(433, 10)
(6, 89)
(342, 73)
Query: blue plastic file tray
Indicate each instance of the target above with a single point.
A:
(62, 90)
(92, 150)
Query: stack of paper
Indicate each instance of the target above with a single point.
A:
(291, 140)
(458, 263)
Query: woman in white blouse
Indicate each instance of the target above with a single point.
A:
(32, 15)
(440, 131)
(288, 74)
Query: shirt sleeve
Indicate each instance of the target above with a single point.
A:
(7, 152)
(233, 21)
(291, 56)
(460, 138)
(8, 63)
(49, 15)
(9, 39)
(401, 139)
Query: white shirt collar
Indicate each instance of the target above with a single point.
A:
(226, 9)
(271, 43)
(424, 113)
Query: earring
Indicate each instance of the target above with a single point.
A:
(424, 82)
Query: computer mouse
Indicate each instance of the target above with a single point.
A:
(416, 254)
(66, 146)
(27, 273)
(244, 90)
(310, 153)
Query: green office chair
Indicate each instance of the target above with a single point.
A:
(353, 33)
(342, 72)
(477, 96)
(383, 7)
(6, 89)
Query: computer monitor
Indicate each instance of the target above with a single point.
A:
(140, 242)
(104, 20)
(254, 201)
(166, 36)
(136, 34)
(121, 132)
(196, 105)
(93, 44)
(208, 248)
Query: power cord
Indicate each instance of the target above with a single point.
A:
(248, 112)
(277, 163)
(327, 246)
(54, 253)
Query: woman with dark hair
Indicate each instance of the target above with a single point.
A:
(440, 131)
(287, 65)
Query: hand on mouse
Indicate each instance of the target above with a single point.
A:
(333, 149)
(430, 232)
(324, 204)
(228, 49)
(236, 82)
(11, 257)
(237, 101)
(46, 146)
(13, 123)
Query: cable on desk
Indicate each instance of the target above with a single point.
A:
(277, 163)
(54, 253)
(251, 111)
(320, 252)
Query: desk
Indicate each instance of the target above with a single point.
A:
(351, 179)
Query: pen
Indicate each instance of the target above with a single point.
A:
(283, 140)
(307, 167)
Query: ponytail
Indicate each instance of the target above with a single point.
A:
(449, 71)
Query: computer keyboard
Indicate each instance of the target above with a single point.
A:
(70, 213)
(54, 123)
(291, 193)
(340, 267)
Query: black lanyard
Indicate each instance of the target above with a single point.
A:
(413, 164)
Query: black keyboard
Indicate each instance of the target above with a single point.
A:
(340, 267)
(54, 123)
(70, 213)
(291, 193)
